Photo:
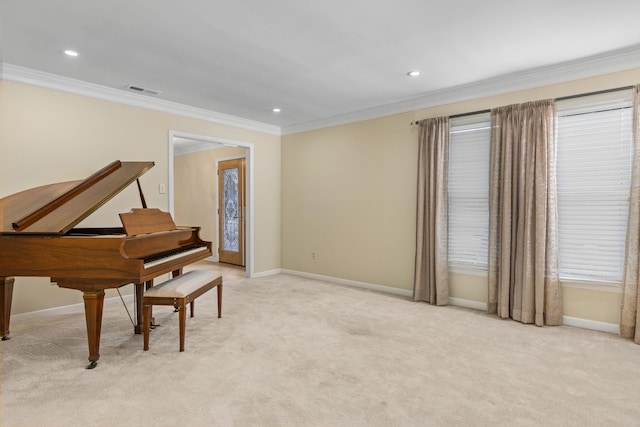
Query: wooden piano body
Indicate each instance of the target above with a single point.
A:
(38, 239)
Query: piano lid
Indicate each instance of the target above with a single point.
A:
(57, 208)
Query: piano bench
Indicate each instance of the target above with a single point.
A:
(178, 292)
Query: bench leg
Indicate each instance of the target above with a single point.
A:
(219, 300)
(146, 324)
(182, 315)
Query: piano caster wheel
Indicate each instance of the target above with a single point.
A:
(6, 338)
(92, 365)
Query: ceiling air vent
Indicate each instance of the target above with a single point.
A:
(138, 89)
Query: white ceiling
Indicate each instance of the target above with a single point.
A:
(318, 60)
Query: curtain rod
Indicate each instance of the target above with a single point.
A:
(472, 113)
(599, 92)
(562, 98)
(455, 116)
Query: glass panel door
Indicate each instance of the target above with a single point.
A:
(231, 202)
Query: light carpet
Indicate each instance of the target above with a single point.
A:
(297, 352)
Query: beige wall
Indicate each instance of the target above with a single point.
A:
(195, 183)
(348, 194)
(345, 193)
(51, 136)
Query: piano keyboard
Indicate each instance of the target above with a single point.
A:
(179, 254)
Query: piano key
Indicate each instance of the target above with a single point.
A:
(156, 261)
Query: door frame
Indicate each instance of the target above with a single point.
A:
(249, 217)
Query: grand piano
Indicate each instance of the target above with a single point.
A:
(38, 239)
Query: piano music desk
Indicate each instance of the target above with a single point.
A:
(178, 292)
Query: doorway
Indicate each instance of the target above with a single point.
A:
(232, 206)
(202, 146)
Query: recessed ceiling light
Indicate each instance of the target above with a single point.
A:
(276, 110)
(414, 73)
(70, 52)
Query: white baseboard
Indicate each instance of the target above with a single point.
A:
(370, 286)
(66, 309)
(594, 325)
(459, 302)
(267, 273)
(612, 328)
(467, 303)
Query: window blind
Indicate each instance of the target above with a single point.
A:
(594, 153)
(468, 191)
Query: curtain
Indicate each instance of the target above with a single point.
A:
(431, 282)
(629, 319)
(523, 256)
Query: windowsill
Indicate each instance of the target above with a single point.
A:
(593, 285)
(469, 270)
(601, 286)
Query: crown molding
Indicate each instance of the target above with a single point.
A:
(614, 61)
(609, 62)
(29, 76)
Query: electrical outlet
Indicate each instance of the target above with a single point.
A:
(162, 189)
(314, 256)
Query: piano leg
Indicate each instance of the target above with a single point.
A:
(6, 295)
(93, 305)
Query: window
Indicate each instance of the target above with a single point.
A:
(594, 153)
(594, 156)
(468, 191)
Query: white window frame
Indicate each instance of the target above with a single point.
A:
(592, 167)
(468, 193)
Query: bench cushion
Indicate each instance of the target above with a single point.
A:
(183, 285)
